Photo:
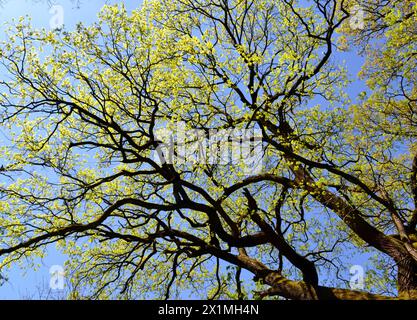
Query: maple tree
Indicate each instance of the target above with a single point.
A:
(81, 109)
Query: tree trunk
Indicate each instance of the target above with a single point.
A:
(407, 278)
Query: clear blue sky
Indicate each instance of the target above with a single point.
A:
(20, 285)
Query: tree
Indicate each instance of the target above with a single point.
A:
(83, 121)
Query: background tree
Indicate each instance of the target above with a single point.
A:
(79, 167)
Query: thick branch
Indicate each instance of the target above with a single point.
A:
(299, 290)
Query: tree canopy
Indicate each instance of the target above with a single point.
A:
(81, 111)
